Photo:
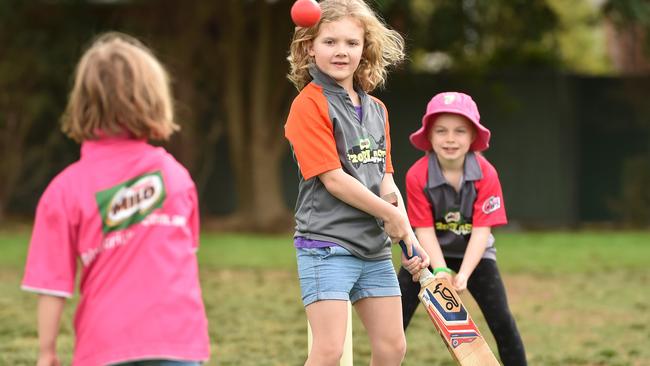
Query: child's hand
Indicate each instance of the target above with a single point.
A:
(48, 359)
(460, 282)
(416, 263)
(426, 262)
(397, 227)
(411, 265)
(446, 275)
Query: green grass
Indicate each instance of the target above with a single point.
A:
(580, 298)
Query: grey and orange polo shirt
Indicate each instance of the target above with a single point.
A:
(326, 133)
(433, 202)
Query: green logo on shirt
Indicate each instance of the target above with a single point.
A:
(455, 223)
(130, 202)
(365, 152)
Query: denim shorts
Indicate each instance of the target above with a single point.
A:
(158, 363)
(333, 273)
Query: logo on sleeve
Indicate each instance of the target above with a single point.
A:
(130, 202)
(491, 204)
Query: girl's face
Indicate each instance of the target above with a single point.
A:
(451, 136)
(337, 49)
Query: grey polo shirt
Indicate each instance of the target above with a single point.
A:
(362, 151)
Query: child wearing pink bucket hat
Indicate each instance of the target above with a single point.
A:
(454, 199)
(456, 103)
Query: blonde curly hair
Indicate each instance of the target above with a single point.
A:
(119, 87)
(382, 47)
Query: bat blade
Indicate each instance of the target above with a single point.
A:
(454, 324)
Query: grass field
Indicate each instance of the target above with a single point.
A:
(579, 299)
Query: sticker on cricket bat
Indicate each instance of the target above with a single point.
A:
(446, 309)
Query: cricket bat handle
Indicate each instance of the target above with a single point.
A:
(402, 245)
(425, 275)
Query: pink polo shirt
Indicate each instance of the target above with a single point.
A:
(127, 215)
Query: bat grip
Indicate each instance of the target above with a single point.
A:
(405, 250)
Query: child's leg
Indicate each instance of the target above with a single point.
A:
(326, 278)
(376, 298)
(381, 316)
(328, 320)
(488, 290)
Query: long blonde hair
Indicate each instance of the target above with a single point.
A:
(382, 47)
(119, 87)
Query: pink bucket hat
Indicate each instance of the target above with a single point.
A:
(451, 102)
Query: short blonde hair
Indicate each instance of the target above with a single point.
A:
(119, 87)
(382, 47)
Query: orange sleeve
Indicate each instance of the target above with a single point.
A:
(311, 134)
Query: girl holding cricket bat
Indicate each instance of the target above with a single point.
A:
(340, 139)
(125, 215)
(454, 199)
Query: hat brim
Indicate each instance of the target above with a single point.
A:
(420, 138)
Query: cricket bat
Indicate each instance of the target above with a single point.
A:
(452, 320)
(450, 316)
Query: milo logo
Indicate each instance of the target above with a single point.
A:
(130, 202)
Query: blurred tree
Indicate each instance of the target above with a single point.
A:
(581, 37)
(477, 35)
(229, 63)
(36, 59)
(630, 36)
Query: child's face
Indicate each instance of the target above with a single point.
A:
(451, 136)
(337, 49)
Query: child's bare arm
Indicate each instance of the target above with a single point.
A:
(473, 255)
(429, 242)
(387, 189)
(349, 190)
(49, 317)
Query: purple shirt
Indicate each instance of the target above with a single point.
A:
(302, 242)
(357, 108)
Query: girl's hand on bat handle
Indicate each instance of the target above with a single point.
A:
(416, 263)
(411, 265)
(397, 226)
(460, 282)
(426, 262)
(445, 275)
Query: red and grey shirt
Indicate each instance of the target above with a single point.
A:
(433, 202)
(326, 133)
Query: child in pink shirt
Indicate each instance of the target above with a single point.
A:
(126, 215)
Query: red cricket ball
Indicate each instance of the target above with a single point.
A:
(305, 13)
